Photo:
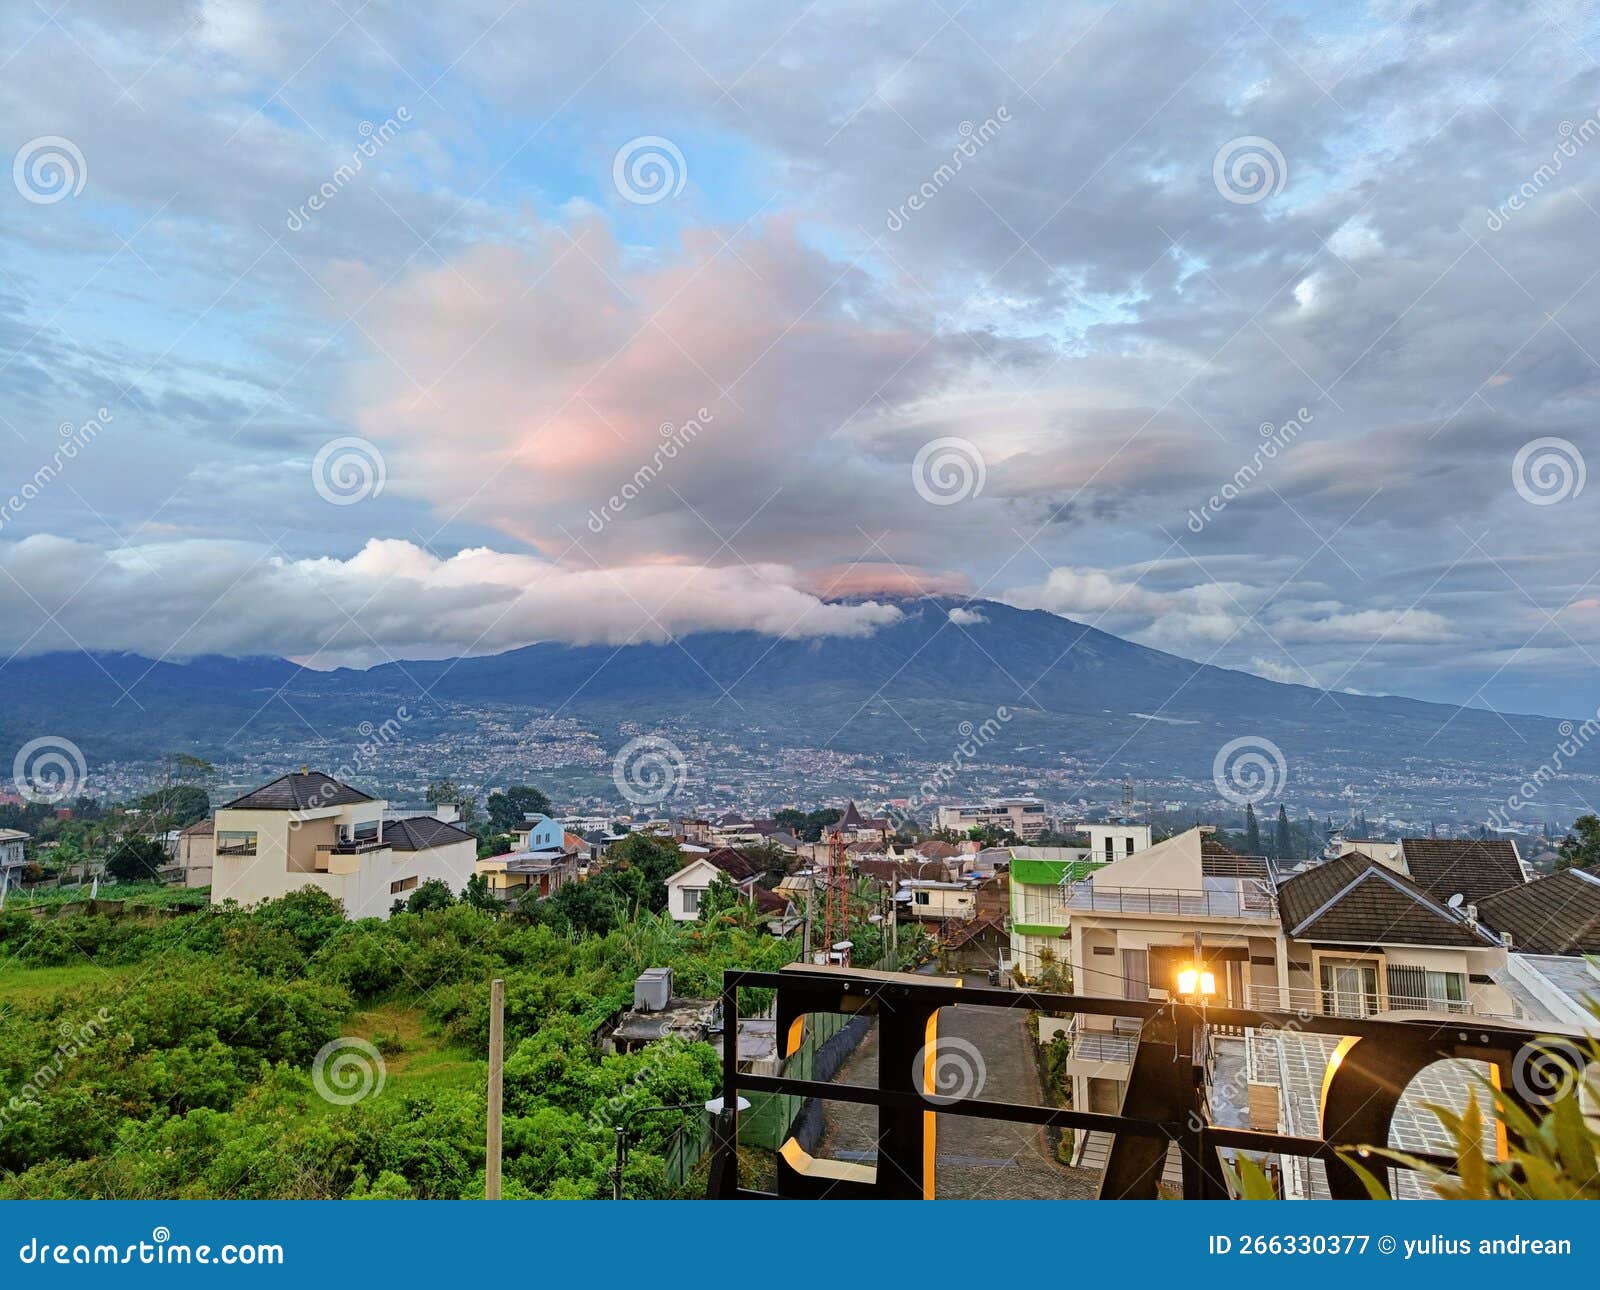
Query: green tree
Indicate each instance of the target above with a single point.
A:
(478, 895)
(443, 792)
(1580, 849)
(1283, 839)
(1252, 831)
(136, 859)
(720, 898)
(432, 894)
(507, 809)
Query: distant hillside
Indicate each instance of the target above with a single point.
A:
(1074, 692)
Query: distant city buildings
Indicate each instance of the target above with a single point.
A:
(1024, 816)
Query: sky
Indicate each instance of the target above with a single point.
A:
(1260, 333)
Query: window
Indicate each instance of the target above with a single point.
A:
(1349, 989)
(1415, 987)
(1129, 841)
(921, 897)
(1135, 974)
(232, 843)
(404, 884)
(691, 899)
(1111, 849)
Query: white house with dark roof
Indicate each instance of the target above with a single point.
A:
(310, 830)
(12, 842)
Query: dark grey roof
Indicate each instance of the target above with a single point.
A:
(301, 791)
(1555, 915)
(421, 833)
(1355, 900)
(1475, 868)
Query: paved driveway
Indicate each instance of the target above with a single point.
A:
(977, 1159)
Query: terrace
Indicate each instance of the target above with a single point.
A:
(1165, 1108)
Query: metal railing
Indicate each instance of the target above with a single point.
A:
(1101, 1045)
(1244, 898)
(355, 847)
(1163, 1103)
(1351, 1003)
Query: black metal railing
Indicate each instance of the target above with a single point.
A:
(1163, 1103)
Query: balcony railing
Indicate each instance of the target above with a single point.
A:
(1100, 1045)
(353, 846)
(1352, 1003)
(1163, 1103)
(1235, 898)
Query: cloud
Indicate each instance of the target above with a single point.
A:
(392, 599)
(966, 617)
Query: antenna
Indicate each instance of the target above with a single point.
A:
(1455, 901)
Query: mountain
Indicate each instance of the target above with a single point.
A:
(1075, 701)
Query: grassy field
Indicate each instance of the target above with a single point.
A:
(414, 1061)
(142, 893)
(24, 985)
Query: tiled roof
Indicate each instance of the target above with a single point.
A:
(301, 791)
(1555, 915)
(421, 833)
(199, 829)
(1475, 868)
(731, 863)
(1354, 900)
(769, 902)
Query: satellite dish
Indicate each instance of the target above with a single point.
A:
(1455, 900)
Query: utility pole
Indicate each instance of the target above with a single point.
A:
(811, 887)
(497, 1065)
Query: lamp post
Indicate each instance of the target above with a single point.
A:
(714, 1107)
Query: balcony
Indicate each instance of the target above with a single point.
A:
(1351, 1003)
(1092, 1050)
(1163, 1106)
(1219, 898)
(353, 846)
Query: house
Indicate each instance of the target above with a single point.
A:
(12, 843)
(197, 846)
(934, 900)
(686, 887)
(1472, 868)
(1110, 842)
(1362, 939)
(1024, 816)
(855, 827)
(514, 874)
(539, 833)
(308, 829)
(1557, 914)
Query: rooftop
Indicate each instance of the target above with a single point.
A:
(298, 791)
